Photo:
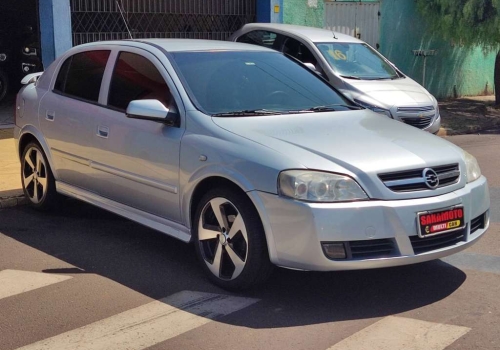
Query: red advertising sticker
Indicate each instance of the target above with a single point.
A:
(435, 222)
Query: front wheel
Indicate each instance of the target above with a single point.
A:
(4, 84)
(37, 179)
(230, 240)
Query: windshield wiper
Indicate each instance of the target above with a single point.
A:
(384, 78)
(247, 112)
(330, 108)
(351, 77)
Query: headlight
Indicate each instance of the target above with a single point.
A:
(374, 108)
(315, 186)
(473, 170)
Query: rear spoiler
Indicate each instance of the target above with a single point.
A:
(31, 78)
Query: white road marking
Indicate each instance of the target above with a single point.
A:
(394, 333)
(14, 282)
(147, 325)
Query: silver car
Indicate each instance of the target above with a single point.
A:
(246, 153)
(353, 67)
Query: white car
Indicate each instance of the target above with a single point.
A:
(246, 153)
(353, 67)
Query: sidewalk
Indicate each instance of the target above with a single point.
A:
(458, 116)
(10, 182)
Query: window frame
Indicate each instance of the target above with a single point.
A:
(319, 59)
(115, 62)
(154, 58)
(70, 57)
(277, 43)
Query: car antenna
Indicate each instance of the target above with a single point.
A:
(334, 35)
(124, 19)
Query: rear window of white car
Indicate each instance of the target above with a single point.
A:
(81, 75)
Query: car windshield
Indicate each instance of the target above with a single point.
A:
(253, 82)
(357, 61)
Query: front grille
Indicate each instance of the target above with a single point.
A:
(418, 122)
(477, 223)
(419, 117)
(370, 249)
(415, 109)
(427, 244)
(413, 180)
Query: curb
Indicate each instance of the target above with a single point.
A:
(10, 202)
(442, 132)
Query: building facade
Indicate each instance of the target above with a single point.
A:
(392, 26)
(452, 71)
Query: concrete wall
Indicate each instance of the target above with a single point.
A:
(453, 72)
(55, 29)
(304, 12)
(270, 11)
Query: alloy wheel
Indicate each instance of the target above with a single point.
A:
(223, 239)
(34, 175)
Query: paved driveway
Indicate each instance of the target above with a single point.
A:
(82, 278)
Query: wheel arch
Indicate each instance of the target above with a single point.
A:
(30, 134)
(213, 181)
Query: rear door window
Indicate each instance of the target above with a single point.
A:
(81, 75)
(136, 78)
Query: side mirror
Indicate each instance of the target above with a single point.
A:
(152, 110)
(31, 78)
(312, 67)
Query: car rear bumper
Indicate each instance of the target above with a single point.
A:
(296, 230)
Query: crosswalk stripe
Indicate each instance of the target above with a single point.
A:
(394, 333)
(14, 282)
(147, 325)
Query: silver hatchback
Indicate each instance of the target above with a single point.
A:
(246, 153)
(353, 67)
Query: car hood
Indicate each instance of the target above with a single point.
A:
(362, 143)
(389, 93)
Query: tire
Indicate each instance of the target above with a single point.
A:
(4, 84)
(233, 257)
(39, 186)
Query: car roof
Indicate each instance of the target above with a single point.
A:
(176, 45)
(311, 33)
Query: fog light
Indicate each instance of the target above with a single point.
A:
(334, 250)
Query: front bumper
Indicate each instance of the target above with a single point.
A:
(295, 230)
(435, 125)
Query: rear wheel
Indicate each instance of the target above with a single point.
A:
(37, 179)
(4, 84)
(230, 240)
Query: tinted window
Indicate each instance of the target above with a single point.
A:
(136, 78)
(226, 81)
(61, 78)
(81, 75)
(259, 37)
(299, 51)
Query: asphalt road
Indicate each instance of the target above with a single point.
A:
(83, 278)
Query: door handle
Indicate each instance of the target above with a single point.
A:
(50, 116)
(103, 131)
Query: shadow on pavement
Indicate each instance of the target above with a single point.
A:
(469, 116)
(95, 241)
